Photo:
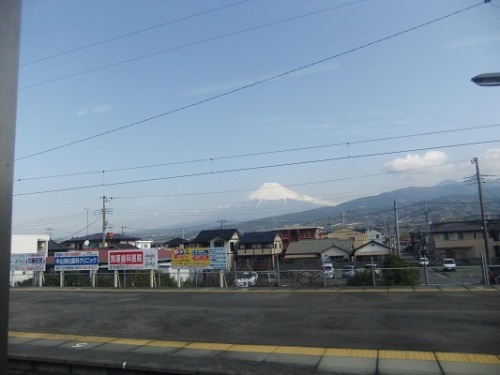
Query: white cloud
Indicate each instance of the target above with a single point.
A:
(228, 86)
(221, 87)
(415, 166)
(317, 69)
(489, 163)
(472, 42)
(95, 109)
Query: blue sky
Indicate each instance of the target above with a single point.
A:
(179, 109)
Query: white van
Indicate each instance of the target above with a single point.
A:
(449, 265)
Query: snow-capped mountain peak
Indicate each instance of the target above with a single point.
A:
(272, 192)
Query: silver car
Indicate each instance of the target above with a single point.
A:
(348, 271)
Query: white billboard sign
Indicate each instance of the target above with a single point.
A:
(137, 259)
(27, 262)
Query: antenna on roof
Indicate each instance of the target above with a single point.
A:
(221, 222)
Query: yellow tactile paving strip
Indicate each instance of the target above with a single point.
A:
(397, 354)
(270, 349)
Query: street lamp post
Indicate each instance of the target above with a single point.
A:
(487, 79)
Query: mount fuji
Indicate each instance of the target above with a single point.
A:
(273, 193)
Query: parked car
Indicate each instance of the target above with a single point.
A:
(247, 279)
(348, 271)
(372, 266)
(449, 265)
(423, 262)
(328, 271)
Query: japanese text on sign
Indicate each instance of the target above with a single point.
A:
(133, 259)
(76, 260)
(27, 262)
(209, 258)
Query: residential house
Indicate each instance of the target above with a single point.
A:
(227, 238)
(94, 241)
(175, 243)
(259, 251)
(309, 252)
(371, 250)
(144, 244)
(462, 240)
(356, 237)
(372, 234)
(298, 233)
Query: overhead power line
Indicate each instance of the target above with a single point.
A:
(133, 33)
(244, 87)
(199, 174)
(186, 45)
(228, 157)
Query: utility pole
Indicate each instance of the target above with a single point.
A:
(104, 222)
(428, 232)
(398, 250)
(481, 204)
(221, 222)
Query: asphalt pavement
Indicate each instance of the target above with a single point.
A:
(400, 330)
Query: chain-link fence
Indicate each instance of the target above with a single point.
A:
(291, 275)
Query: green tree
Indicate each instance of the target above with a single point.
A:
(398, 271)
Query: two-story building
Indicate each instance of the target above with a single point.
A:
(227, 238)
(298, 233)
(462, 241)
(259, 251)
(356, 237)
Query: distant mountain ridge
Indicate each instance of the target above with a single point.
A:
(447, 201)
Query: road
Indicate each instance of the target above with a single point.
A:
(459, 321)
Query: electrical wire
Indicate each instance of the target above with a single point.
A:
(132, 33)
(185, 46)
(250, 85)
(271, 152)
(304, 162)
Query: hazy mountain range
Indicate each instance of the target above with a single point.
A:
(447, 201)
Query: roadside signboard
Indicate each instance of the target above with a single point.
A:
(76, 261)
(218, 258)
(209, 258)
(27, 262)
(133, 259)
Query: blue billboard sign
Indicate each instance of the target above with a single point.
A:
(76, 261)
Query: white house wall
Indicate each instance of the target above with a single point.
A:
(29, 243)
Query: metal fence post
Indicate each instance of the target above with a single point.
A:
(373, 272)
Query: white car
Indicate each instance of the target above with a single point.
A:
(328, 271)
(449, 265)
(423, 262)
(247, 279)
